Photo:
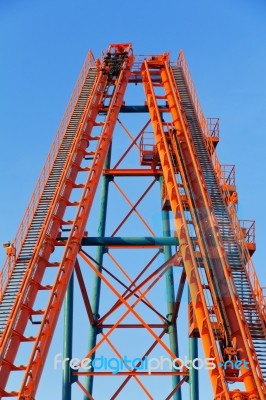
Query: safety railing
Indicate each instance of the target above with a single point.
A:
(209, 126)
(250, 269)
(245, 233)
(147, 141)
(38, 190)
(213, 125)
(229, 174)
(147, 148)
(248, 228)
(181, 62)
(139, 58)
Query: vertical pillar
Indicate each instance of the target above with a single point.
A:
(170, 293)
(193, 373)
(68, 338)
(96, 284)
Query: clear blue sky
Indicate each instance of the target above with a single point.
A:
(43, 45)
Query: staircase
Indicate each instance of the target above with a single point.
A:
(239, 274)
(31, 239)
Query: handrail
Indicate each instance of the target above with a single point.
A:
(20, 236)
(248, 227)
(238, 232)
(228, 172)
(213, 127)
(140, 58)
(181, 62)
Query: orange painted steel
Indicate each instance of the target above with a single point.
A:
(79, 223)
(242, 340)
(44, 175)
(217, 314)
(237, 325)
(123, 299)
(251, 272)
(132, 172)
(133, 288)
(133, 284)
(130, 307)
(135, 376)
(213, 126)
(185, 243)
(240, 333)
(134, 208)
(181, 62)
(13, 334)
(22, 309)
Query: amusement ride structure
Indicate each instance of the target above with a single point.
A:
(131, 206)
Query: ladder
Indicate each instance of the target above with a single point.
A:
(237, 265)
(25, 254)
(103, 87)
(180, 141)
(227, 309)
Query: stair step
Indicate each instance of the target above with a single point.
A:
(241, 280)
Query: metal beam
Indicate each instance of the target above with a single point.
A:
(96, 284)
(133, 172)
(68, 339)
(170, 293)
(127, 241)
(132, 109)
(194, 373)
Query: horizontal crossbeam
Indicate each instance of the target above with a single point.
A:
(127, 241)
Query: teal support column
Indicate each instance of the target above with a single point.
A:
(68, 338)
(193, 373)
(96, 284)
(170, 293)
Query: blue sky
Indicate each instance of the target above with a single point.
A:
(43, 45)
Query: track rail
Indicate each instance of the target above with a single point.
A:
(238, 232)
(104, 84)
(237, 303)
(26, 221)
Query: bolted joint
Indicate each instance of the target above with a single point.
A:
(96, 328)
(73, 378)
(170, 325)
(109, 178)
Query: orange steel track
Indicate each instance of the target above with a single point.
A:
(227, 308)
(235, 316)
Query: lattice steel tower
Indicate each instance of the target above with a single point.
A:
(121, 254)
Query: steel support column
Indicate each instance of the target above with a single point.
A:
(68, 338)
(193, 373)
(96, 285)
(170, 293)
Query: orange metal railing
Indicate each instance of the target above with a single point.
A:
(193, 94)
(147, 147)
(213, 127)
(209, 126)
(239, 235)
(38, 190)
(228, 173)
(248, 228)
(140, 58)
